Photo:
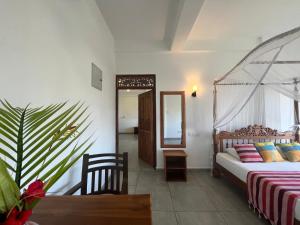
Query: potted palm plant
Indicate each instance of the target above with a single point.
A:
(37, 146)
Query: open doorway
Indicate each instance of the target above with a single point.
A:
(136, 119)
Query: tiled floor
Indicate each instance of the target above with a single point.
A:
(202, 200)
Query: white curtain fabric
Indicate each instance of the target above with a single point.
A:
(261, 88)
(279, 110)
(267, 107)
(250, 114)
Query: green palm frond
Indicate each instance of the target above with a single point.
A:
(41, 142)
(9, 192)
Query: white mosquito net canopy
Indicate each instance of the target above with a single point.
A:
(262, 87)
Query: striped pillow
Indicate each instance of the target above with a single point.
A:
(268, 152)
(248, 153)
(291, 151)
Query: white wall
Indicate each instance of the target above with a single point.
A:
(177, 72)
(46, 50)
(128, 113)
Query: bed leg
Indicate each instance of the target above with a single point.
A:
(216, 173)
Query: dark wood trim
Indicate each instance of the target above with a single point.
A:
(117, 118)
(162, 94)
(154, 124)
(138, 81)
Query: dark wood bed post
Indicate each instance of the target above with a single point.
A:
(215, 170)
(296, 119)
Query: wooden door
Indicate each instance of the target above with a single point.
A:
(146, 127)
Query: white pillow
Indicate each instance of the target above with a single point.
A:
(232, 152)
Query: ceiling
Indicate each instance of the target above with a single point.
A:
(135, 19)
(197, 25)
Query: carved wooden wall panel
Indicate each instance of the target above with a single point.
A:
(135, 81)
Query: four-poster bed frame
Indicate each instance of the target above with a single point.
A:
(255, 133)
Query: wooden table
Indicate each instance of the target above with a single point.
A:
(175, 165)
(93, 210)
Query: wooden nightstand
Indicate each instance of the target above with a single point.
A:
(175, 165)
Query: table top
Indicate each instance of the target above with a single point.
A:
(174, 153)
(93, 210)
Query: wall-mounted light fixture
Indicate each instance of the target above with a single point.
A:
(194, 93)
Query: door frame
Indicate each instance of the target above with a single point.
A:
(136, 81)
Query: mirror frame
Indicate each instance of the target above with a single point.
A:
(162, 144)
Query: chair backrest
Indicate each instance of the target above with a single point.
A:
(104, 174)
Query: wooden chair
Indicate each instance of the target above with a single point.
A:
(103, 173)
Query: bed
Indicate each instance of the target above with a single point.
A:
(236, 171)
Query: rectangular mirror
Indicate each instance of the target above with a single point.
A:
(172, 119)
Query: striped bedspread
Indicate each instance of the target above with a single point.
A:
(274, 194)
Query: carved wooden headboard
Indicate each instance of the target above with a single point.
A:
(250, 134)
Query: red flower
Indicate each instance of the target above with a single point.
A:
(16, 217)
(35, 190)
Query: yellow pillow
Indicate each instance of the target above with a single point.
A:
(291, 150)
(293, 156)
(268, 152)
